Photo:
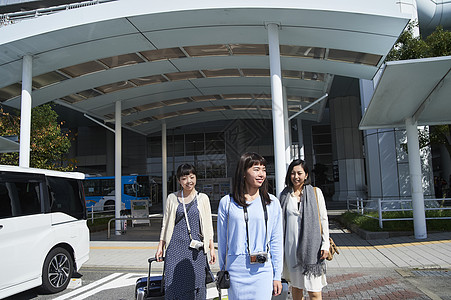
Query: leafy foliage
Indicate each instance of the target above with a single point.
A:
(409, 46)
(370, 224)
(48, 143)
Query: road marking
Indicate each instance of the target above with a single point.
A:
(122, 247)
(121, 281)
(117, 280)
(88, 287)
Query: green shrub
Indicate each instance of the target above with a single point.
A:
(370, 224)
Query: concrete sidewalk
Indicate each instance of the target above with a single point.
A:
(132, 250)
(392, 268)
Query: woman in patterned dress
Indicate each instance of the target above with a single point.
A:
(186, 222)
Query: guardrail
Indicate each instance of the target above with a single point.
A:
(395, 205)
(125, 218)
(100, 214)
(14, 17)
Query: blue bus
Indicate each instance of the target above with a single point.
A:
(100, 193)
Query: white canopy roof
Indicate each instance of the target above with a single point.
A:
(417, 88)
(186, 62)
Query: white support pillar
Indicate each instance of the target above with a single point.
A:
(301, 139)
(118, 166)
(287, 131)
(277, 106)
(419, 218)
(164, 164)
(25, 112)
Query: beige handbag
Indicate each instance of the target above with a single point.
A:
(333, 247)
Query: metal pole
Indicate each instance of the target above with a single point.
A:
(379, 208)
(287, 131)
(164, 164)
(416, 185)
(301, 139)
(118, 167)
(25, 112)
(277, 106)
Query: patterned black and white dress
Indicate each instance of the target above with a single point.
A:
(184, 266)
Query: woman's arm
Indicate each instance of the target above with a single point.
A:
(276, 240)
(208, 219)
(164, 223)
(222, 230)
(209, 224)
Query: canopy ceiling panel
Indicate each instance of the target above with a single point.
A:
(417, 88)
(150, 56)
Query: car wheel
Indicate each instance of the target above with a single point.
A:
(57, 271)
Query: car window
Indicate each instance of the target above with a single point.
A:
(65, 196)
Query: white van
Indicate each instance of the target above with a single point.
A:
(44, 236)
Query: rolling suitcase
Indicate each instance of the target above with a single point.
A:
(150, 287)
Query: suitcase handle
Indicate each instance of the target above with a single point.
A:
(151, 260)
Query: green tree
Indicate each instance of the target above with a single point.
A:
(409, 46)
(48, 143)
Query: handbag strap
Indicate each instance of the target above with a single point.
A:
(317, 206)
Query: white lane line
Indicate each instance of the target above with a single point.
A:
(122, 281)
(88, 287)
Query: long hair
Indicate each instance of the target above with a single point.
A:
(185, 169)
(294, 163)
(247, 160)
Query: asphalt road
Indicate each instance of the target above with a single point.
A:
(358, 283)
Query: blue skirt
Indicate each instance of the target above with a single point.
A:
(249, 281)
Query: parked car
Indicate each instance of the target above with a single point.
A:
(44, 237)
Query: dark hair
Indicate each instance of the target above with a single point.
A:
(185, 169)
(293, 164)
(247, 160)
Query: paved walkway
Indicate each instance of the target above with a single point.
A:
(392, 268)
(132, 249)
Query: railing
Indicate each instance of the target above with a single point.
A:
(395, 205)
(101, 214)
(125, 218)
(11, 18)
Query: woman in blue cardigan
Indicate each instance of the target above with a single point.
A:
(250, 233)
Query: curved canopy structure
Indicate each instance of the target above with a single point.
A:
(426, 100)
(189, 62)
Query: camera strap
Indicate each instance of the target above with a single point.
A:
(186, 216)
(246, 219)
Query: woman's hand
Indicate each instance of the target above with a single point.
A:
(324, 254)
(276, 287)
(159, 253)
(212, 253)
